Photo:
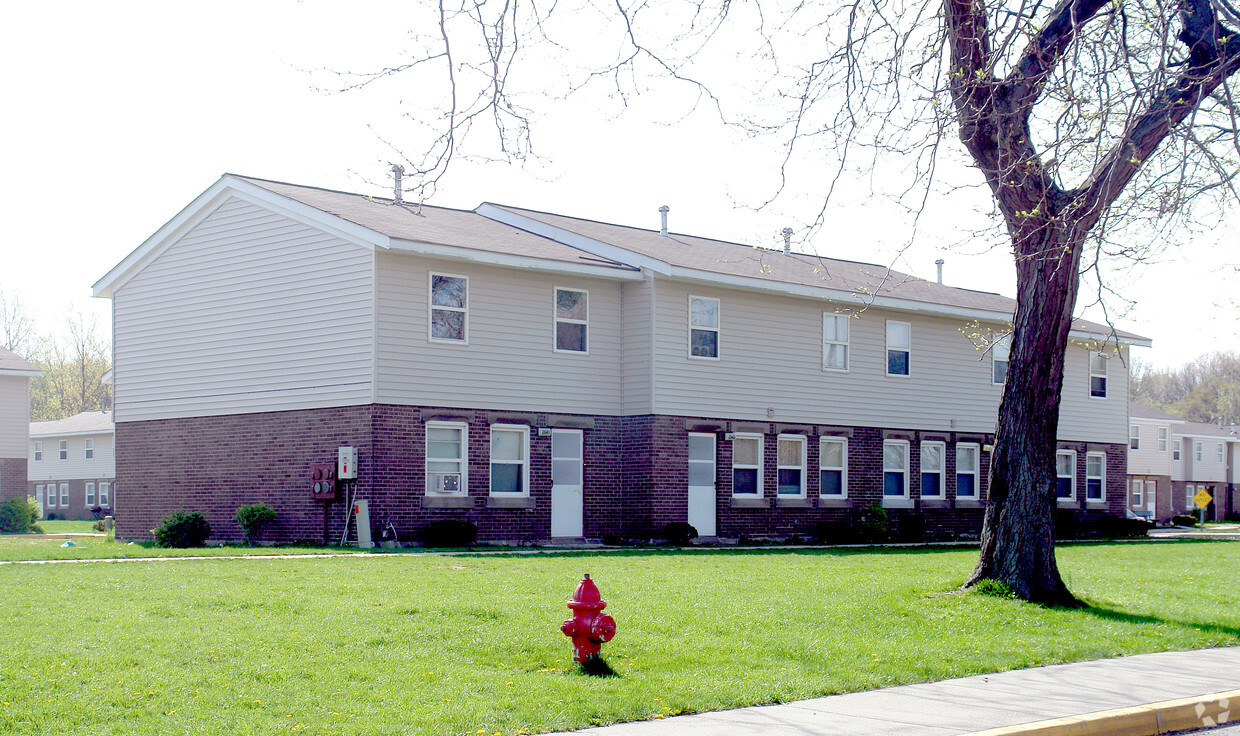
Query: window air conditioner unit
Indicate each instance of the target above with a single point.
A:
(446, 482)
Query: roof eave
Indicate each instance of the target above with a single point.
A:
(620, 271)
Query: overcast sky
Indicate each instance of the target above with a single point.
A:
(117, 115)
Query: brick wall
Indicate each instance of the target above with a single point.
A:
(635, 477)
(12, 477)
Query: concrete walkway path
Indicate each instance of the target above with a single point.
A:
(1128, 696)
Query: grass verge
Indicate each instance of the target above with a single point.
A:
(428, 644)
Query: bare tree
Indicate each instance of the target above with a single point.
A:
(1099, 128)
(16, 327)
(73, 370)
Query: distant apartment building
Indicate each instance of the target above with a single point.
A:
(72, 465)
(1170, 460)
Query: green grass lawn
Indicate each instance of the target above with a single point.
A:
(432, 644)
(66, 526)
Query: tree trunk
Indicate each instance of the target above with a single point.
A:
(1018, 533)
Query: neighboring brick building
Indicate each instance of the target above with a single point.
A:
(15, 375)
(1170, 460)
(551, 377)
(72, 465)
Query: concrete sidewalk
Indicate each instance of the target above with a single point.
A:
(1110, 696)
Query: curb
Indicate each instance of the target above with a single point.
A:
(1169, 716)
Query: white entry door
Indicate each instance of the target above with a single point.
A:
(1151, 497)
(702, 483)
(567, 497)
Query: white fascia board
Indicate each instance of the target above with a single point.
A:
(572, 239)
(20, 373)
(1216, 437)
(85, 433)
(449, 252)
(207, 202)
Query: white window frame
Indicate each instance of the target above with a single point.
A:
(558, 320)
(41, 491)
(90, 494)
(105, 496)
(1000, 353)
(432, 307)
(1197, 450)
(1190, 490)
(924, 471)
(1218, 452)
(1101, 477)
(462, 461)
(64, 495)
(838, 321)
(38, 451)
(1175, 452)
(524, 462)
(1071, 497)
(975, 471)
(903, 445)
(906, 349)
(1162, 439)
(1095, 374)
(744, 437)
(64, 449)
(842, 468)
(1136, 497)
(717, 328)
(90, 448)
(799, 440)
(1134, 436)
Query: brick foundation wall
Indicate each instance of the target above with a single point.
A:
(635, 480)
(12, 477)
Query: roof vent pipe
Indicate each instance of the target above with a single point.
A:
(663, 212)
(397, 195)
(940, 263)
(787, 233)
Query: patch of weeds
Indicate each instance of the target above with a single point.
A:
(996, 588)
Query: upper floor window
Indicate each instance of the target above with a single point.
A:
(833, 466)
(449, 308)
(510, 450)
(932, 466)
(791, 454)
(1162, 439)
(895, 468)
(1095, 476)
(64, 449)
(834, 342)
(703, 327)
(571, 318)
(90, 448)
(898, 348)
(967, 470)
(38, 451)
(1197, 451)
(1175, 452)
(1000, 354)
(1098, 375)
(446, 446)
(1218, 453)
(747, 465)
(1065, 474)
(1134, 437)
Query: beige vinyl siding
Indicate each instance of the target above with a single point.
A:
(770, 357)
(1147, 460)
(1084, 418)
(1209, 470)
(638, 310)
(14, 408)
(250, 311)
(510, 360)
(51, 467)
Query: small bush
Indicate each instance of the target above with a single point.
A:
(51, 516)
(182, 529)
(253, 518)
(679, 533)
(992, 587)
(450, 533)
(19, 516)
(97, 526)
(1185, 520)
(873, 526)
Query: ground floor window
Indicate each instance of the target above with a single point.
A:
(1137, 499)
(747, 464)
(895, 468)
(64, 494)
(510, 469)
(90, 494)
(446, 446)
(791, 455)
(833, 467)
(1095, 476)
(1065, 475)
(932, 466)
(105, 499)
(967, 470)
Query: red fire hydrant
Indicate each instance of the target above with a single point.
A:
(588, 628)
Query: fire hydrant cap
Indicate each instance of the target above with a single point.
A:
(587, 596)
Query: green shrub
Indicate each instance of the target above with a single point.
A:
(253, 518)
(97, 526)
(1185, 520)
(679, 533)
(450, 533)
(873, 525)
(19, 516)
(996, 588)
(182, 529)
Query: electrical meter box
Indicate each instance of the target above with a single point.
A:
(346, 463)
(323, 481)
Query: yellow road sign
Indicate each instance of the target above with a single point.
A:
(1202, 499)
